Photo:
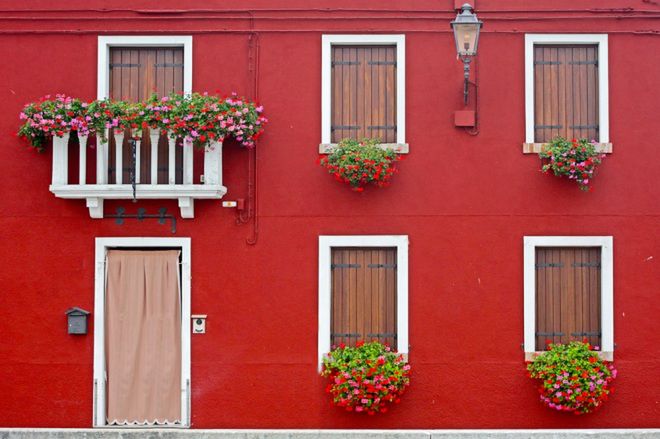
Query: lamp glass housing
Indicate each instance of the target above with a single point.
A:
(466, 28)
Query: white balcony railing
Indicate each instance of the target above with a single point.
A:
(111, 183)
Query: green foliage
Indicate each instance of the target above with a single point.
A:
(361, 163)
(575, 159)
(199, 118)
(573, 378)
(366, 378)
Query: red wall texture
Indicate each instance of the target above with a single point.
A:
(465, 201)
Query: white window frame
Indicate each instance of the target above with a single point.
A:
(607, 286)
(328, 41)
(603, 74)
(99, 387)
(106, 42)
(326, 243)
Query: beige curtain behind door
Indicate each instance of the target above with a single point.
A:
(143, 337)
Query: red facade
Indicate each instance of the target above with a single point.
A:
(464, 201)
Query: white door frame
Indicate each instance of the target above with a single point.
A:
(102, 246)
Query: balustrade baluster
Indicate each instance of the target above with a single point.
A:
(154, 135)
(82, 159)
(119, 165)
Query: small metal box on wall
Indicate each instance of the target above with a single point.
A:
(77, 320)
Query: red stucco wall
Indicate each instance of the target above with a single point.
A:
(465, 201)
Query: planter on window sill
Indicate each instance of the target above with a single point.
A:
(572, 378)
(367, 378)
(574, 159)
(361, 163)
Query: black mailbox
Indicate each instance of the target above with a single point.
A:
(77, 320)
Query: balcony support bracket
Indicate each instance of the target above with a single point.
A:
(187, 206)
(95, 206)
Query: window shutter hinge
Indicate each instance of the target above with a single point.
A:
(345, 334)
(113, 65)
(333, 266)
(345, 127)
(381, 265)
(594, 62)
(548, 127)
(382, 127)
(550, 265)
(583, 127)
(586, 264)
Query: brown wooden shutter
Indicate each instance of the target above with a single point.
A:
(364, 93)
(138, 72)
(135, 74)
(568, 293)
(363, 295)
(565, 92)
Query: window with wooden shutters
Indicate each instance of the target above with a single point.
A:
(364, 93)
(363, 90)
(364, 295)
(567, 295)
(135, 73)
(568, 292)
(566, 89)
(566, 92)
(363, 291)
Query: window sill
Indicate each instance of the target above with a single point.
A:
(401, 148)
(604, 355)
(535, 148)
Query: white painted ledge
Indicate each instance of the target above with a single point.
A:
(535, 148)
(128, 433)
(95, 194)
(603, 355)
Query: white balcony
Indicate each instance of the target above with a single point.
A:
(162, 169)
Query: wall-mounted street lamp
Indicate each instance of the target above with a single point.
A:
(466, 28)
